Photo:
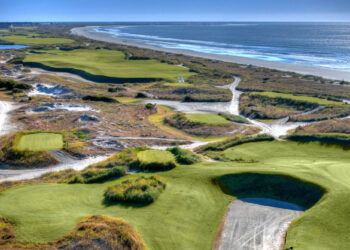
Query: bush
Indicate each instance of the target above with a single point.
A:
(101, 232)
(154, 160)
(98, 175)
(183, 156)
(99, 99)
(143, 190)
(10, 84)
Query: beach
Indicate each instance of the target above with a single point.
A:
(89, 32)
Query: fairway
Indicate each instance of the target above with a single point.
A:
(39, 142)
(27, 40)
(192, 207)
(109, 63)
(210, 119)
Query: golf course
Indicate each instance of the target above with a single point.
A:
(188, 213)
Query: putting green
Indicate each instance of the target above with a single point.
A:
(210, 119)
(188, 213)
(39, 142)
(157, 156)
(110, 63)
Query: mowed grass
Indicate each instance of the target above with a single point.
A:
(319, 101)
(211, 119)
(38, 142)
(28, 40)
(155, 156)
(188, 213)
(109, 63)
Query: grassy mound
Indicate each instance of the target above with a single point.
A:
(252, 185)
(183, 156)
(331, 138)
(143, 190)
(211, 119)
(102, 232)
(155, 160)
(41, 141)
(98, 175)
(108, 63)
(9, 154)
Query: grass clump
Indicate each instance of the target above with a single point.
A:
(155, 160)
(102, 232)
(96, 175)
(143, 190)
(183, 156)
(7, 233)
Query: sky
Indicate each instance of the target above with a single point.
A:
(174, 10)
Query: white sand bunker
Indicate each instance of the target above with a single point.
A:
(62, 107)
(257, 223)
(49, 90)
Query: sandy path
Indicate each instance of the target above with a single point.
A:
(5, 109)
(66, 163)
(252, 224)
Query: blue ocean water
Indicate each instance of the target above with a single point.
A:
(317, 44)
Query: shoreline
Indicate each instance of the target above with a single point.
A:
(299, 69)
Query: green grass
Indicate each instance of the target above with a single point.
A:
(150, 156)
(211, 119)
(108, 63)
(319, 101)
(192, 207)
(27, 40)
(38, 142)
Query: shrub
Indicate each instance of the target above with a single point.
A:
(102, 232)
(154, 160)
(99, 99)
(234, 118)
(98, 175)
(143, 190)
(183, 156)
(10, 84)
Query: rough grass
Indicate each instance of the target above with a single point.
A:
(108, 63)
(211, 119)
(38, 142)
(184, 156)
(192, 207)
(143, 190)
(28, 40)
(155, 160)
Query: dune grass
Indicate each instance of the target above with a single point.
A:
(28, 40)
(38, 141)
(310, 99)
(192, 206)
(211, 119)
(110, 63)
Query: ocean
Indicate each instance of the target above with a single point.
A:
(324, 45)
